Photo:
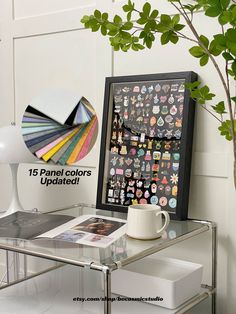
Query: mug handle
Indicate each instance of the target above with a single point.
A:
(167, 220)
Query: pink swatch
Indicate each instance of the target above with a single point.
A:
(85, 148)
(46, 148)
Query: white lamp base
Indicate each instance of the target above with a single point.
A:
(15, 202)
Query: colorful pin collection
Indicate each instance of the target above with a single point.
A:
(145, 143)
(58, 143)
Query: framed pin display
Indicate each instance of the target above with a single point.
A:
(146, 142)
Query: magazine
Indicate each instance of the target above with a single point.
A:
(98, 231)
(27, 225)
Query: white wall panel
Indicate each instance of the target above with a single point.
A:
(29, 8)
(67, 60)
(51, 23)
(53, 50)
(7, 65)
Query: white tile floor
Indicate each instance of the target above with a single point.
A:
(53, 293)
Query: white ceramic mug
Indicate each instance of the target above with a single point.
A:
(144, 221)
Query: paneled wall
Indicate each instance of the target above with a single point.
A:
(43, 44)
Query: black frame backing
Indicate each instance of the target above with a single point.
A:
(181, 211)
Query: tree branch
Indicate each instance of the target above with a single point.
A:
(192, 28)
(211, 113)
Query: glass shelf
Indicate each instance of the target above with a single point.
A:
(53, 293)
(120, 253)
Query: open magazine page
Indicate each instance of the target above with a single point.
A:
(98, 231)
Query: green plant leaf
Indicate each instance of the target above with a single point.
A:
(192, 86)
(219, 108)
(214, 48)
(204, 40)
(146, 9)
(129, 16)
(227, 56)
(97, 14)
(233, 11)
(140, 47)
(225, 17)
(112, 27)
(154, 14)
(174, 38)
(220, 41)
(87, 24)
(204, 59)
(142, 21)
(150, 26)
(233, 68)
(142, 34)
(166, 19)
(226, 129)
(105, 16)
(126, 8)
(103, 30)
(224, 4)
(165, 38)
(175, 19)
(95, 28)
(230, 72)
(117, 20)
(127, 26)
(116, 39)
(178, 27)
(231, 35)
(148, 42)
(231, 47)
(85, 19)
(196, 51)
(213, 11)
(200, 94)
(161, 28)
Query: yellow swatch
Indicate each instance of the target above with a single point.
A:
(51, 152)
(79, 145)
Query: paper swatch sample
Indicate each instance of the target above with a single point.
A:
(60, 127)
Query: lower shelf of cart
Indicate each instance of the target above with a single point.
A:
(54, 293)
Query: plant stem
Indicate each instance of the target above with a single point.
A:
(211, 113)
(192, 28)
(136, 31)
(181, 35)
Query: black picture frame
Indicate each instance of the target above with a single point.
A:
(169, 91)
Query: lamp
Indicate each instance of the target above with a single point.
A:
(13, 151)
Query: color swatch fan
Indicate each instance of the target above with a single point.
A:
(60, 127)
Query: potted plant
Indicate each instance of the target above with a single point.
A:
(141, 27)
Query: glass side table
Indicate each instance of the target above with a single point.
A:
(120, 253)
